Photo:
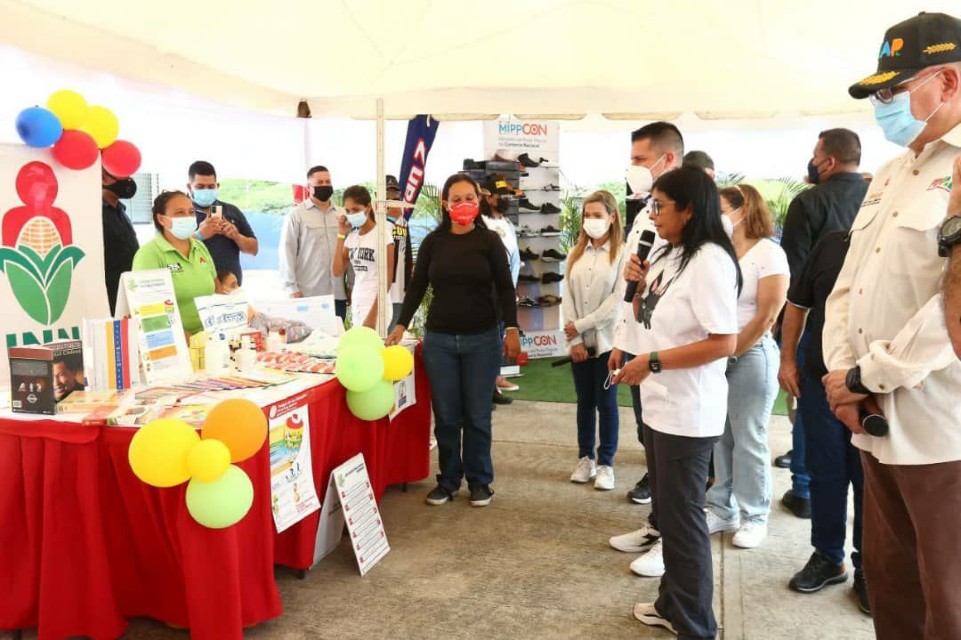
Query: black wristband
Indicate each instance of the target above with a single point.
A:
(853, 381)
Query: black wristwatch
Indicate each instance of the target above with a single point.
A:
(949, 235)
(654, 362)
(853, 381)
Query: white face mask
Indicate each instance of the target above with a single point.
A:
(596, 228)
(728, 223)
(641, 179)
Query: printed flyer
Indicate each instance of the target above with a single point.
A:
(292, 493)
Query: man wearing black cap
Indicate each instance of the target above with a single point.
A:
(404, 262)
(885, 334)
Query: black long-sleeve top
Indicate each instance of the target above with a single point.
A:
(120, 244)
(470, 277)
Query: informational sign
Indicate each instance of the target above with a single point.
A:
(364, 524)
(330, 529)
(537, 138)
(405, 392)
(543, 344)
(317, 312)
(222, 313)
(292, 493)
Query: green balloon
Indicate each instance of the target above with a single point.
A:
(373, 404)
(223, 502)
(359, 367)
(360, 336)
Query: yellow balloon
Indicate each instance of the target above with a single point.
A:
(158, 452)
(208, 460)
(102, 126)
(398, 362)
(70, 107)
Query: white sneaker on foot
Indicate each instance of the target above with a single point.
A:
(636, 541)
(605, 478)
(750, 535)
(585, 470)
(651, 564)
(715, 523)
(646, 613)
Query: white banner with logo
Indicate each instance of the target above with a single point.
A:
(543, 344)
(51, 249)
(537, 138)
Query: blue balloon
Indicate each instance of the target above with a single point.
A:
(39, 127)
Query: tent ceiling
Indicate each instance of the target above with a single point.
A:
(733, 59)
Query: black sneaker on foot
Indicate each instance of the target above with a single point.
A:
(783, 461)
(861, 591)
(818, 573)
(439, 496)
(800, 507)
(481, 496)
(500, 398)
(641, 493)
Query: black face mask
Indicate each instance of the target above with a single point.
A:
(503, 205)
(813, 176)
(323, 193)
(124, 189)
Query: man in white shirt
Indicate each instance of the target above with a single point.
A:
(885, 335)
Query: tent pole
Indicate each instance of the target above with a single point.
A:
(385, 309)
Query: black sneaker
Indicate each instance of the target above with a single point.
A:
(547, 207)
(783, 461)
(861, 591)
(481, 496)
(526, 278)
(527, 302)
(550, 231)
(527, 254)
(818, 573)
(525, 205)
(553, 255)
(800, 507)
(439, 496)
(525, 160)
(500, 398)
(549, 278)
(641, 493)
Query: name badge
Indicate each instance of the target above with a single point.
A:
(175, 267)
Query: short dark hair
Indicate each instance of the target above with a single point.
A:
(223, 274)
(160, 206)
(698, 159)
(664, 136)
(201, 168)
(842, 144)
(315, 169)
(358, 194)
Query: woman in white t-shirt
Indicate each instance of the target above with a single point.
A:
(687, 305)
(357, 245)
(741, 496)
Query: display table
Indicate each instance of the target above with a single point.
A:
(84, 544)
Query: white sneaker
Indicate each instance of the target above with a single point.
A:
(585, 470)
(605, 478)
(750, 535)
(715, 523)
(646, 613)
(651, 564)
(636, 541)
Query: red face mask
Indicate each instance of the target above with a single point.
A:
(463, 213)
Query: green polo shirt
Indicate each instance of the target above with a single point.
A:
(192, 276)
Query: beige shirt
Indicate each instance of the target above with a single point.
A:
(307, 242)
(593, 289)
(885, 313)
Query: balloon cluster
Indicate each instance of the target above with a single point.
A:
(166, 452)
(78, 133)
(368, 372)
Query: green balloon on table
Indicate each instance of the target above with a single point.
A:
(359, 368)
(221, 503)
(398, 362)
(373, 404)
(360, 336)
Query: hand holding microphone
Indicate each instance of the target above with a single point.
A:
(638, 266)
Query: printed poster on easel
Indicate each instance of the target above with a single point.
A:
(292, 493)
(364, 524)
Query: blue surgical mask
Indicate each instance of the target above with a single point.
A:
(183, 227)
(357, 220)
(896, 120)
(204, 197)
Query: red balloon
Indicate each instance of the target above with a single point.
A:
(76, 150)
(121, 159)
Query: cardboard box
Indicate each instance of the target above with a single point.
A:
(42, 376)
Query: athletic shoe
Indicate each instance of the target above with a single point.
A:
(439, 496)
(549, 278)
(750, 535)
(481, 496)
(783, 461)
(641, 493)
(818, 573)
(549, 301)
(500, 398)
(527, 254)
(800, 507)
(636, 541)
(553, 255)
(651, 564)
(526, 161)
(549, 208)
(646, 613)
(527, 302)
(549, 231)
(716, 524)
(585, 471)
(525, 205)
(605, 478)
(508, 386)
(524, 278)
(861, 591)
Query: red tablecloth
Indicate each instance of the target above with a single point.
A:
(84, 544)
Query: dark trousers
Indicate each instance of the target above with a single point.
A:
(833, 463)
(800, 479)
(340, 308)
(462, 369)
(678, 475)
(593, 400)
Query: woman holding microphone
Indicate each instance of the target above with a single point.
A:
(687, 305)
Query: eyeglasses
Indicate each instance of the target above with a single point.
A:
(886, 95)
(657, 206)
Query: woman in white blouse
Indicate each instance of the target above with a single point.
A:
(590, 310)
(741, 496)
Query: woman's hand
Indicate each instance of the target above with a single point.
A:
(578, 353)
(570, 331)
(636, 271)
(395, 336)
(615, 359)
(342, 225)
(512, 343)
(634, 372)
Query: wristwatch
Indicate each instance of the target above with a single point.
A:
(853, 381)
(949, 235)
(654, 362)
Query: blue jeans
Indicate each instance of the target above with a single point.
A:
(462, 369)
(834, 464)
(592, 400)
(800, 479)
(742, 457)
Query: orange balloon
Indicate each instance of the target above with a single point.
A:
(239, 424)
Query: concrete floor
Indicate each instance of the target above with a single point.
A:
(536, 563)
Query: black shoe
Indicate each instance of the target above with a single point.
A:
(525, 205)
(783, 462)
(550, 231)
(547, 207)
(818, 573)
(439, 496)
(641, 493)
(481, 496)
(527, 302)
(526, 278)
(861, 591)
(549, 278)
(800, 507)
(553, 255)
(527, 254)
(525, 160)
(473, 164)
(500, 398)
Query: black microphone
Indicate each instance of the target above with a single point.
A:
(873, 424)
(567, 359)
(643, 250)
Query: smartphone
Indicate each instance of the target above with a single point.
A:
(216, 211)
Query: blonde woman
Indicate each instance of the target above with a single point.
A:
(590, 306)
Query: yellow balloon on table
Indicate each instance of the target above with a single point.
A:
(70, 108)
(102, 125)
(208, 460)
(398, 362)
(158, 452)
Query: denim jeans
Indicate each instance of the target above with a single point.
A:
(462, 369)
(593, 400)
(834, 464)
(742, 457)
(800, 479)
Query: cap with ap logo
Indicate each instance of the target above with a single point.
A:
(926, 40)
